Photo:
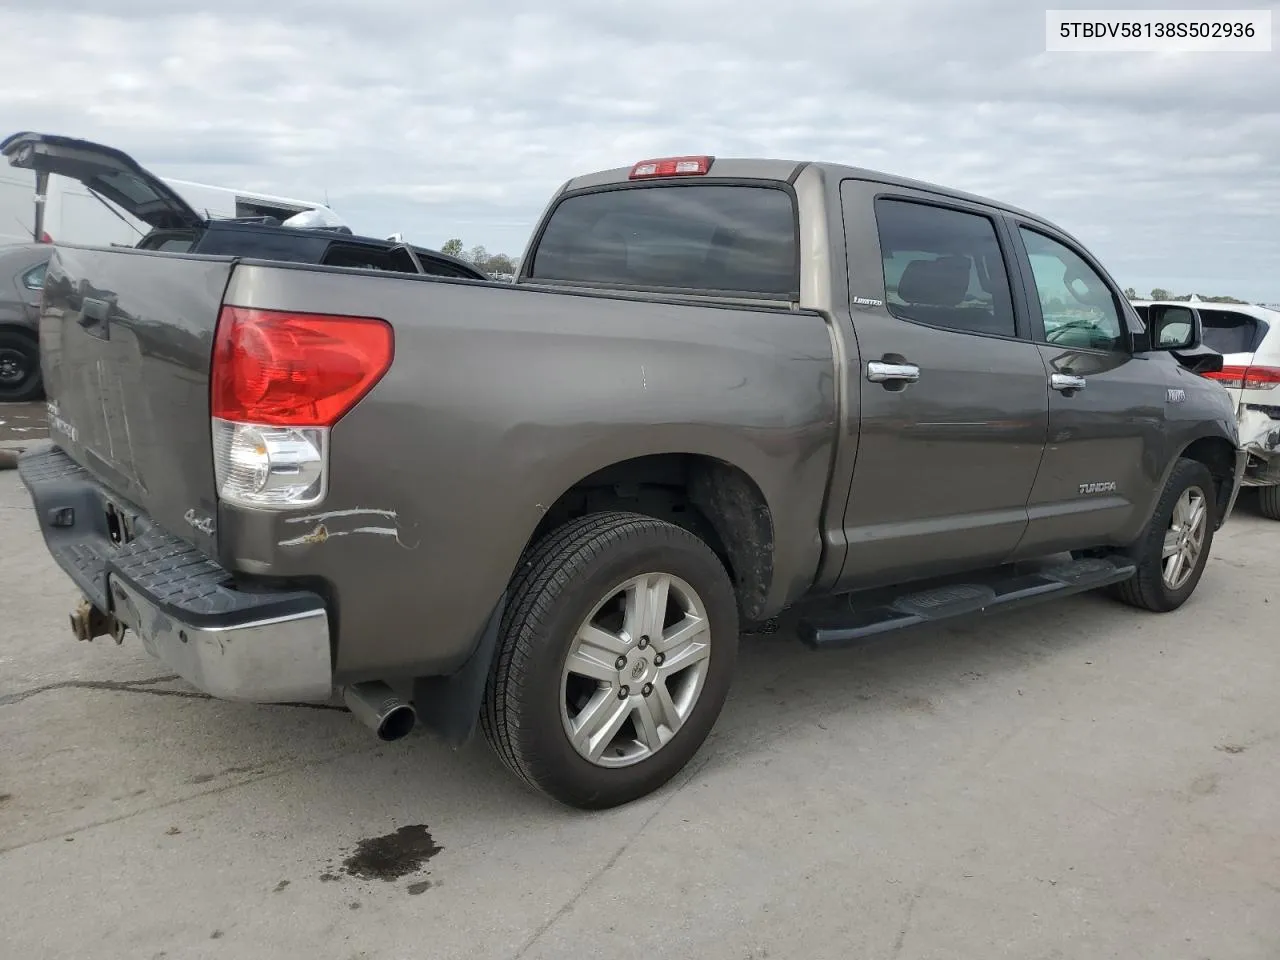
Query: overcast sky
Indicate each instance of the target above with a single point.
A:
(444, 120)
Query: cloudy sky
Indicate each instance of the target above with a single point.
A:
(444, 120)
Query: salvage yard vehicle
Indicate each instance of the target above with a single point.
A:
(1248, 337)
(176, 226)
(22, 268)
(717, 389)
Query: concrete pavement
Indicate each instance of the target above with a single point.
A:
(1079, 780)
(22, 423)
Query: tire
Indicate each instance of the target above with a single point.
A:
(20, 378)
(1269, 502)
(1149, 588)
(527, 715)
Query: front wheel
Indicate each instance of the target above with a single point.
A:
(614, 659)
(1174, 547)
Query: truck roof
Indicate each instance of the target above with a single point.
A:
(759, 168)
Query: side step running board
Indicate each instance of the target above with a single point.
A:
(852, 618)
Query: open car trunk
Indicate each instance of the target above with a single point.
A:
(105, 171)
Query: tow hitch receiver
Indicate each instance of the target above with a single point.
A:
(88, 622)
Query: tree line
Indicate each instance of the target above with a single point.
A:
(1160, 293)
(480, 258)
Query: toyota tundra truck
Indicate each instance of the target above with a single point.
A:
(718, 389)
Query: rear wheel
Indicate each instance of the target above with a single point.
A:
(20, 378)
(1269, 502)
(1174, 548)
(614, 659)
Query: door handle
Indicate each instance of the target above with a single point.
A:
(878, 372)
(1066, 382)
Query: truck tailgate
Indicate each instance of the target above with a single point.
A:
(126, 339)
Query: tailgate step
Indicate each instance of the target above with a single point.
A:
(173, 574)
(852, 618)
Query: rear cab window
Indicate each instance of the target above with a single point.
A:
(730, 239)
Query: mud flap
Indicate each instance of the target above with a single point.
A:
(450, 706)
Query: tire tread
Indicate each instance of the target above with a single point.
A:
(1269, 502)
(546, 571)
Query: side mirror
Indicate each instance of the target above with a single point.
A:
(1175, 328)
(1179, 331)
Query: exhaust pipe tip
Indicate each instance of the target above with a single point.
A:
(398, 723)
(380, 709)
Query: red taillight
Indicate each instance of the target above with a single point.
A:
(45, 238)
(1232, 377)
(1247, 378)
(294, 369)
(671, 167)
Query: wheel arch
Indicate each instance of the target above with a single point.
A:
(716, 500)
(1218, 454)
(713, 498)
(19, 326)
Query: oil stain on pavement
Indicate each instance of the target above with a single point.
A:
(392, 856)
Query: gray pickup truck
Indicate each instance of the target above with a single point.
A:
(718, 389)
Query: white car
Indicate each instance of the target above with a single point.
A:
(1248, 337)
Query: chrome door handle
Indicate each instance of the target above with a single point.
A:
(878, 372)
(1066, 381)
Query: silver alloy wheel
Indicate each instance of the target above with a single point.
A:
(1184, 539)
(635, 670)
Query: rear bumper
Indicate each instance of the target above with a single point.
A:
(1260, 436)
(261, 646)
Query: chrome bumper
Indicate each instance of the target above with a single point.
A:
(283, 659)
(264, 646)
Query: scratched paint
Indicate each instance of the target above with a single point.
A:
(355, 511)
(323, 530)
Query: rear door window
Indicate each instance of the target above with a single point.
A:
(944, 268)
(711, 238)
(238, 240)
(33, 279)
(363, 257)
